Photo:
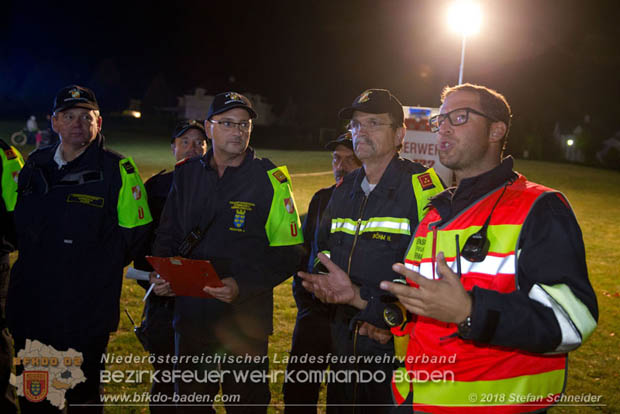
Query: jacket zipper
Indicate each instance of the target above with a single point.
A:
(357, 232)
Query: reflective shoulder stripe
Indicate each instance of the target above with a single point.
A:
(283, 226)
(12, 163)
(575, 320)
(425, 185)
(133, 208)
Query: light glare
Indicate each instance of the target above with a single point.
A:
(465, 17)
(570, 142)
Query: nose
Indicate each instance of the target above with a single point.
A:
(445, 128)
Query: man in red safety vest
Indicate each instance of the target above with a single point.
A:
(497, 288)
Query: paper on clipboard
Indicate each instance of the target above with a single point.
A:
(187, 277)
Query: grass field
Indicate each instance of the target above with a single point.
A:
(594, 194)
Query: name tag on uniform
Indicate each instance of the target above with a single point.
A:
(89, 200)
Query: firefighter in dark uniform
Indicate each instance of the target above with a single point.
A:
(11, 162)
(188, 140)
(312, 335)
(244, 220)
(368, 224)
(81, 216)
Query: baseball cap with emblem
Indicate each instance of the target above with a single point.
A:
(228, 100)
(375, 101)
(183, 126)
(344, 139)
(74, 96)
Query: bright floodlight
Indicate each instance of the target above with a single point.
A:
(570, 142)
(464, 17)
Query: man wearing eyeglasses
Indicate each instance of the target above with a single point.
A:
(81, 216)
(499, 290)
(367, 224)
(188, 140)
(238, 211)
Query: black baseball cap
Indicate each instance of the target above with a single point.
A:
(228, 100)
(344, 139)
(375, 101)
(183, 126)
(75, 96)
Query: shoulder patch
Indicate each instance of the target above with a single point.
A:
(279, 175)
(426, 181)
(10, 154)
(129, 168)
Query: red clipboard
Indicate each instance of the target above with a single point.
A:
(187, 277)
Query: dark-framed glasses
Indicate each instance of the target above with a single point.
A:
(244, 126)
(456, 117)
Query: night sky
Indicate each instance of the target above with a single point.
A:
(553, 59)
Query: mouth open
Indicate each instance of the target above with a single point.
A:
(445, 145)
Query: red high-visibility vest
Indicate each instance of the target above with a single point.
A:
(448, 374)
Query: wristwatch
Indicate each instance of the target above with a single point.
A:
(464, 328)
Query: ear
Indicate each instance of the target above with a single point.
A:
(399, 135)
(173, 148)
(208, 126)
(54, 119)
(99, 123)
(497, 132)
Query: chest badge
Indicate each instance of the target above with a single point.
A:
(239, 219)
(137, 192)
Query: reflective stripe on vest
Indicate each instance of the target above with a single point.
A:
(132, 208)
(478, 371)
(12, 163)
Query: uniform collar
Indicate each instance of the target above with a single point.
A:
(249, 156)
(51, 156)
(387, 184)
(455, 199)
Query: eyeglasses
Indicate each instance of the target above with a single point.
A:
(244, 126)
(456, 117)
(68, 117)
(371, 125)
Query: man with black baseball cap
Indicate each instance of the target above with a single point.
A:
(188, 140)
(244, 220)
(312, 336)
(365, 227)
(81, 216)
